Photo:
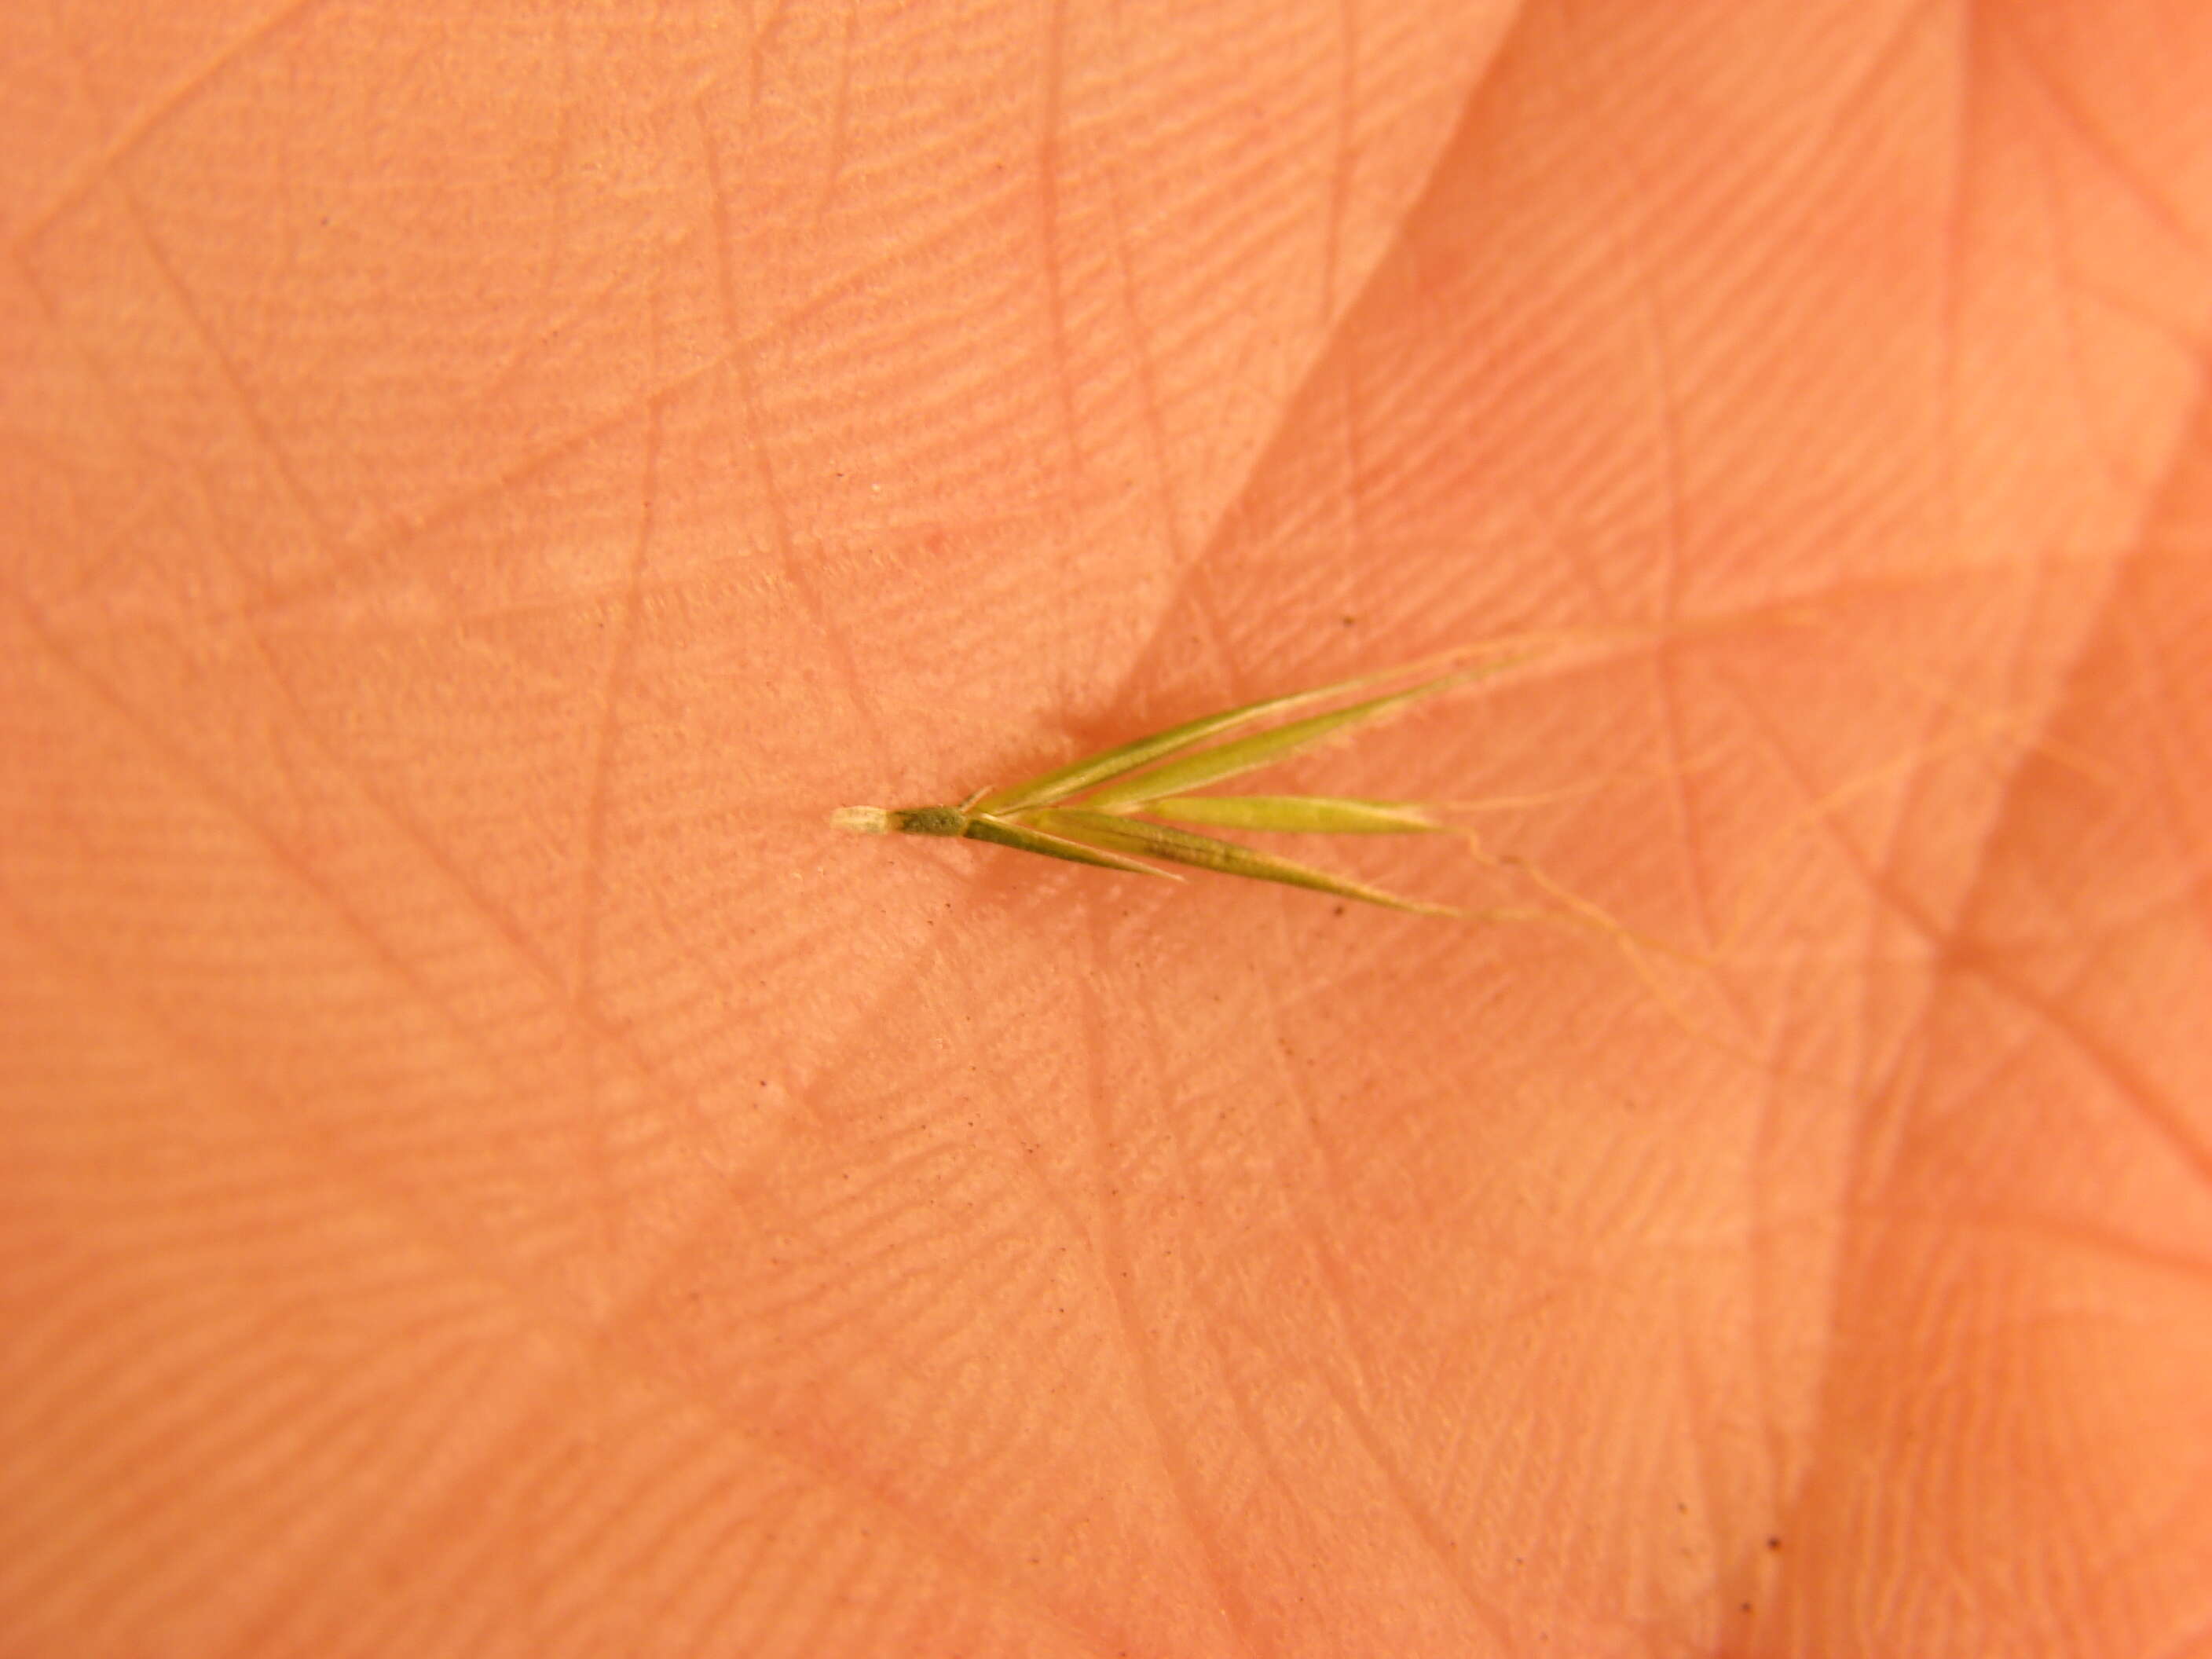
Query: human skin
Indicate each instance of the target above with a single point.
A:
(488, 1170)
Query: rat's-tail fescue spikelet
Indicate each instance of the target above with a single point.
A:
(1103, 808)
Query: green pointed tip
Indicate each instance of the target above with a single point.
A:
(1129, 835)
(1315, 815)
(1242, 755)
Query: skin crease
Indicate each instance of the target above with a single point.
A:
(488, 1171)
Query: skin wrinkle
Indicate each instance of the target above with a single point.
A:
(2050, 1229)
(349, 563)
(107, 552)
(1340, 174)
(2066, 283)
(1230, 1391)
(106, 161)
(1321, 1255)
(556, 242)
(1148, 391)
(590, 897)
(232, 381)
(584, 1341)
(1149, 1392)
(1893, 897)
(1334, 1183)
(2191, 1639)
(1767, 1309)
(2111, 928)
(1419, 1518)
(1053, 257)
(1664, 389)
(796, 571)
(1345, 357)
(1203, 453)
(603, 1032)
(1884, 57)
(115, 407)
(1812, 1467)
(116, 1591)
(2166, 1118)
(841, 111)
(1867, 1084)
(1769, 1303)
(1821, 808)
(1603, 599)
(2106, 1554)
(776, 1447)
(2099, 145)
(1694, 1388)
(72, 1336)
(718, 203)
(1371, 1442)
(761, 45)
(1880, 875)
(1919, 1131)
(479, 900)
(2169, 1120)
(2151, 668)
(1950, 273)
(716, 1615)
(354, 1443)
(1460, 1351)
(551, 1549)
(532, 346)
(846, 285)
(1254, 1430)
(840, 1058)
(2186, 336)
(974, 1569)
(181, 765)
(1329, 1270)
(1882, 1219)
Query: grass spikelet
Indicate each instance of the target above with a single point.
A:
(1108, 808)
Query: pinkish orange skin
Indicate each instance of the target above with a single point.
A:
(480, 1172)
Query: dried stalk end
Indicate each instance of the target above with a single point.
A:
(862, 820)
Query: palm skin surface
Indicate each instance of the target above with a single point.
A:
(486, 1170)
